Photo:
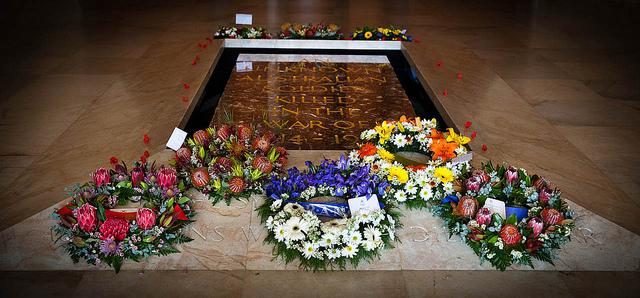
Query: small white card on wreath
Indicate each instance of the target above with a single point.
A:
(244, 19)
(361, 205)
(176, 139)
(496, 206)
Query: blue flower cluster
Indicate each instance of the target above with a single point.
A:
(345, 179)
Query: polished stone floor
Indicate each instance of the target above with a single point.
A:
(84, 80)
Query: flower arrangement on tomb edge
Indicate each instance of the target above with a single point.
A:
(534, 223)
(310, 31)
(299, 232)
(380, 33)
(124, 215)
(229, 161)
(420, 162)
(233, 32)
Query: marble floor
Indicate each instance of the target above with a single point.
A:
(552, 86)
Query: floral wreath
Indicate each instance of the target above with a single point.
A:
(123, 214)
(325, 235)
(420, 162)
(233, 32)
(531, 219)
(230, 161)
(390, 33)
(309, 31)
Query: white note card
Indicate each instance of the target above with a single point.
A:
(244, 19)
(361, 205)
(244, 66)
(462, 158)
(496, 206)
(176, 139)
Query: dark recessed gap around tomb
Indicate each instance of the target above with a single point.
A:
(205, 107)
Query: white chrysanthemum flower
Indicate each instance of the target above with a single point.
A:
(281, 233)
(355, 237)
(426, 194)
(400, 195)
(400, 140)
(372, 234)
(294, 229)
(309, 249)
(353, 155)
(328, 240)
(350, 250)
(411, 188)
(368, 245)
(333, 253)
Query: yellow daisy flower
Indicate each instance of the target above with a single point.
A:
(399, 173)
(386, 155)
(443, 174)
(368, 35)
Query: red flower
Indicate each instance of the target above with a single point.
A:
(459, 76)
(101, 177)
(438, 63)
(115, 228)
(445, 92)
(146, 139)
(146, 153)
(185, 86)
(484, 147)
(510, 234)
(367, 149)
(194, 61)
(137, 176)
(473, 135)
(113, 160)
(467, 124)
(143, 159)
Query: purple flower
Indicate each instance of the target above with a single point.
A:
(110, 247)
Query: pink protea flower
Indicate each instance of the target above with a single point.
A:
(510, 234)
(101, 177)
(544, 195)
(511, 174)
(483, 217)
(481, 175)
(114, 228)
(166, 177)
(87, 218)
(145, 218)
(137, 176)
(537, 225)
(474, 183)
(551, 216)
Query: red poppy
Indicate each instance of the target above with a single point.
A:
(146, 153)
(143, 159)
(113, 160)
(459, 76)
(445, 92)
(467, 124)
(484, 147)
(146, 139)
(185, 86)
(473, 135)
